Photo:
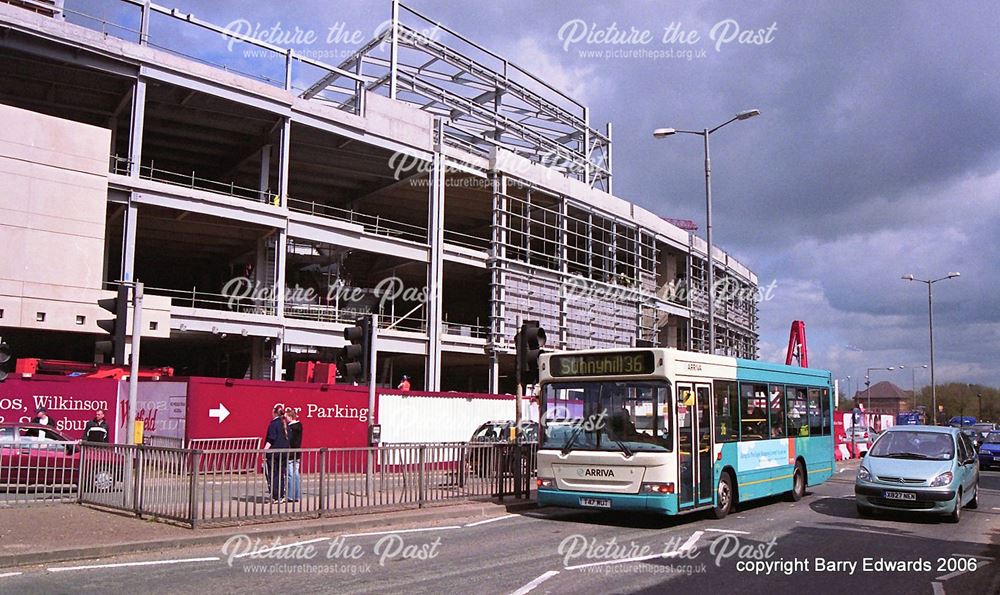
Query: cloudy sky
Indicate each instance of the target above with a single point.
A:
(877, 152)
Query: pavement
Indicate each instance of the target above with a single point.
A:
(817, 545)
(48, 533)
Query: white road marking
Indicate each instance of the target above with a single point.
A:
(499, 518)
(402, 531)
(952, 575)
(280, 547)
(527, 588)
(938, 588)
(129, 564)
(6, 574)
(996, 508)
(972, 556)
(684, 547)
(729, 531)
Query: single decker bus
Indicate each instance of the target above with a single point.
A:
(671, 432)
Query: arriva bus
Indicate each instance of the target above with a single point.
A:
(670, 432)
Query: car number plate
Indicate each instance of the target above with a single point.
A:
(595, 502)
(900, 496)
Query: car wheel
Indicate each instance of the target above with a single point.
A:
(798, 483)
(974, 503)
(956, 514)
(724, 497)
(865, 511)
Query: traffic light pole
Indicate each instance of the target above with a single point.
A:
(133, 377)
(519, 389)
(372, 362)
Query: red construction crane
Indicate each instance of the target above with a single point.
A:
(797, 345)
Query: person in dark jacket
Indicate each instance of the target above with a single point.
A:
(276, 463)
(42, 417)
(295, 458)
(96, 429)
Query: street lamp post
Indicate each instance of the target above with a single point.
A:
(930, 326)
(705, 133)
(913, 380)
(868, 383)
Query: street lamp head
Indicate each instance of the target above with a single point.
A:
(890, 368)
(664, 132)
(954, 274)
(908, 277)
(748, 114)
(924, 366)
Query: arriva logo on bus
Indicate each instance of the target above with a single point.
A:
(595, 472)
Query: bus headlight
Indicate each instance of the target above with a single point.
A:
(657, 488)
(545, 482)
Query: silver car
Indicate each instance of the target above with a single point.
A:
(928, 469)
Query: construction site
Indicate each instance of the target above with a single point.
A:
(267, 202)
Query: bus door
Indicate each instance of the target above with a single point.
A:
(694, 445)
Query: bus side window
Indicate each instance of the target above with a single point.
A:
(776, 399)
(815, 413)
(753, 412)
(798, 416)
(825, 409)
(726, 411)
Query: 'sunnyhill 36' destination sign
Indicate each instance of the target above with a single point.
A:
(603, 364)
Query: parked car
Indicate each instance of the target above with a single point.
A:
(989, 451)
(481, 460)
(973, 437)
(35, 456)
(984, 428)
(857, 434)
(929, 469)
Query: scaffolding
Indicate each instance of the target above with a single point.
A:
(484, 100)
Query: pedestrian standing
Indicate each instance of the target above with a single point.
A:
(276, 462)
(96, 429)
(295, 457)
(42, 417)
(404, 384)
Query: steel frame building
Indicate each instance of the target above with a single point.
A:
(483, 194)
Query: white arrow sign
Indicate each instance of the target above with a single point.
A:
(222, 413)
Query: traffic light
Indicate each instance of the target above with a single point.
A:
(529, 341)
(354, 358)
(115, 346)
(5, 355)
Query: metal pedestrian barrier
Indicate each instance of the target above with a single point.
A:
(38, 471)
(200, 487)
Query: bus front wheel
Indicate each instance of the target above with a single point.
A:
(798, 483)
(724, 496)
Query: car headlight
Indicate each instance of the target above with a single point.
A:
(864, 475)
(942, 480)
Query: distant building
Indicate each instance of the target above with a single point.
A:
(886, 398)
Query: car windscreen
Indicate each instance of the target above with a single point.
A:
(992, 438)
(914, 444)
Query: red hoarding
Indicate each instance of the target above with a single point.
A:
(71, 402)
(334, 416)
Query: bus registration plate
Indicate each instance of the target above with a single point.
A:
(595, 502)
(900, 495)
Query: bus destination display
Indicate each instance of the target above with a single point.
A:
(603, 364)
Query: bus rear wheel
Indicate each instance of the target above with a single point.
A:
(724, 496)
(798, 483)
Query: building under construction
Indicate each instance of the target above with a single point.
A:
(266, 198)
